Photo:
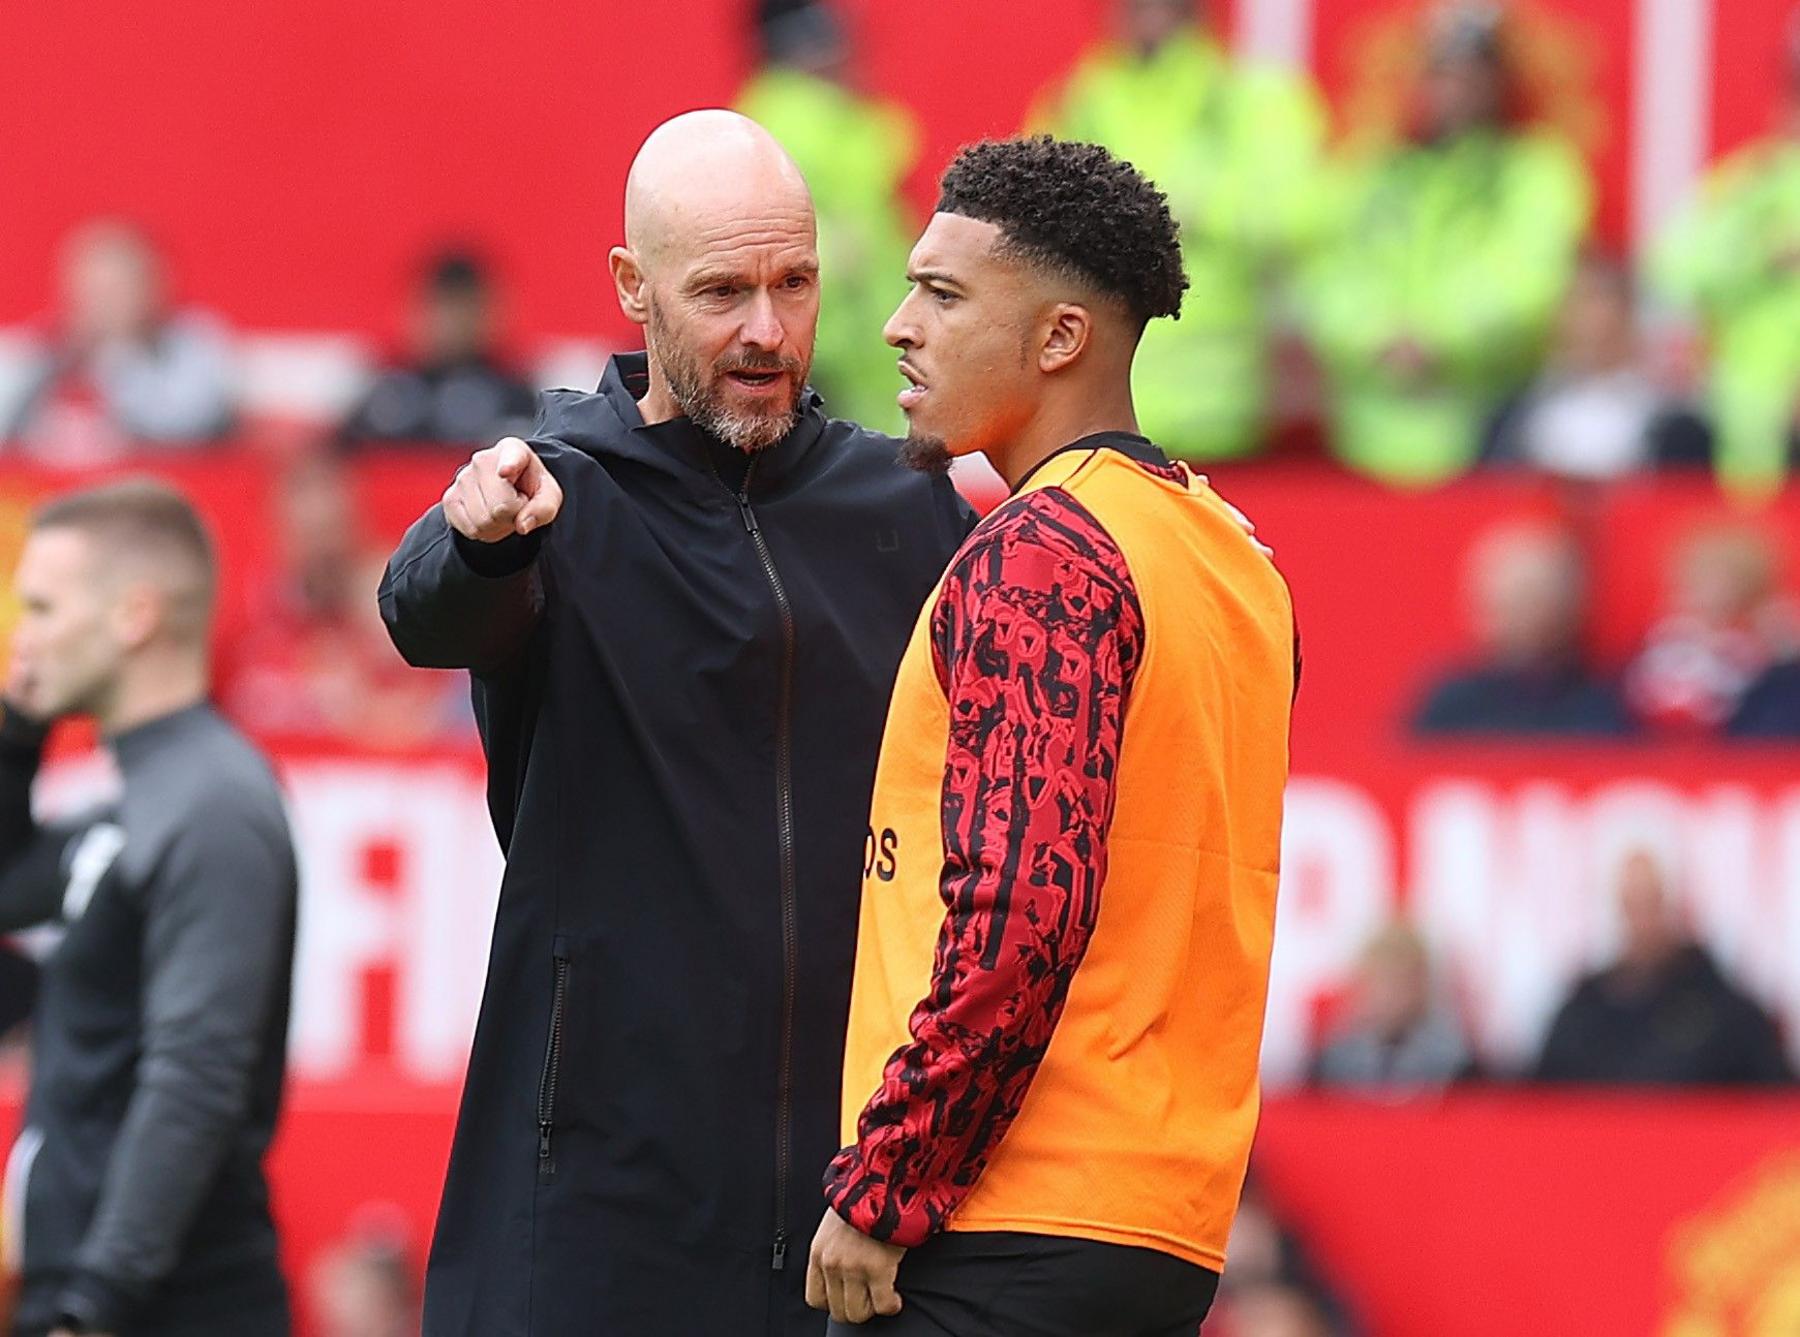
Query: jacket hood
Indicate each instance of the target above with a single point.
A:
(606, 424)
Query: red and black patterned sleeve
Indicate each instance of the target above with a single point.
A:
(1036, 637)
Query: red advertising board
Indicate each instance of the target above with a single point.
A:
(1480, 1215)
(1495, 1215)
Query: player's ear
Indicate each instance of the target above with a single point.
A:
(1065, 337)
(630, 281)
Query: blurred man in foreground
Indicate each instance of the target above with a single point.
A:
(1237, 152)
(1051, 1075)
(682, 605)
(159, 1042)
(1661, 1013)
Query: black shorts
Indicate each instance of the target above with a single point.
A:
(1006, 1284)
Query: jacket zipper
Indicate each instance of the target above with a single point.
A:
(784, 786)
(553, 1048)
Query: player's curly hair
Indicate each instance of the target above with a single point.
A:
(1076, 209)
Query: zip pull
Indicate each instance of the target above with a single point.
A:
(749, 515)
(778, 1259)
(546, 1166)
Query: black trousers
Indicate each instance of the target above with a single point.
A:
(1005, 1284)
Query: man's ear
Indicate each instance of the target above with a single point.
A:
(138, 612)
(1065, 337)
(632, 285)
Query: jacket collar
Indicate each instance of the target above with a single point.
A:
(1129, 444)
(627, 380)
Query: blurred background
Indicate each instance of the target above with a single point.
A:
(1494, 330)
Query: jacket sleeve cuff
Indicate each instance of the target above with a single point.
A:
(90, 1303)
(872, 1205)
(508, 557)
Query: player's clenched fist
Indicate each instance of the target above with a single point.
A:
(502, 490)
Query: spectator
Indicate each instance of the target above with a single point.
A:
(1526, 586)
(1398, 1036)
(367, 1285)
(1236, 151)
(1595, 412)
(1735, 259)
(314, 664)
(854, 152)
(1441, 260)
(456, 390)
(1271, 1309)
(119, 369)
(1271, 1288)
(1727, 626)
(1661, 1013)
(1770, 706)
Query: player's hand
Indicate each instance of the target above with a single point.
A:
(851, 1274)
(1243, 521)
(501, 491)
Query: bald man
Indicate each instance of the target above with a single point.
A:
(682, 603)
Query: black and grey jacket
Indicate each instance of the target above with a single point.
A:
(681, 685)
(159, 1036)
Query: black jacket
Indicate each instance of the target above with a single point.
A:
(1494, 699)
(681, 685)
(159, 1040)
(1688, 1027)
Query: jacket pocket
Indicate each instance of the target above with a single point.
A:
(553, 1057)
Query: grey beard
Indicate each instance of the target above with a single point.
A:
(927, 454)
(748, 432)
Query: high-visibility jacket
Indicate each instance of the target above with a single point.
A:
(1462, 249)
(1736, 258)
(1236, 150)
(854, 152)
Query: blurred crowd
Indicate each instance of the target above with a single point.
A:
(1420, 283)
(1414, 292)
(1661, 1012)
(1721, 659)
